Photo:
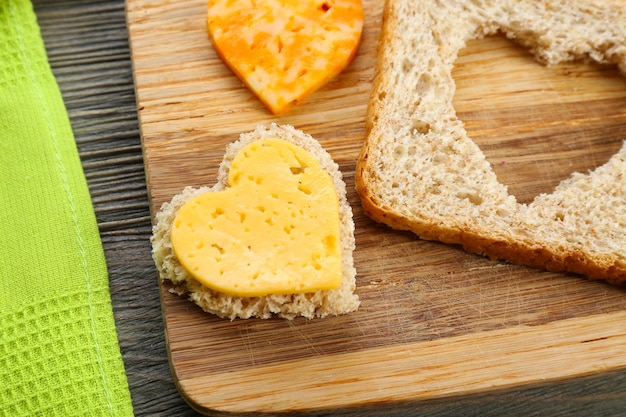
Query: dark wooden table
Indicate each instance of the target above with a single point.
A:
(87, 45)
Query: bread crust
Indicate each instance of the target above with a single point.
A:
(320, 303)
(418, 170)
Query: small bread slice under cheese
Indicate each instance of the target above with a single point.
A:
(274, 236)
(419, 170)
(285, 50)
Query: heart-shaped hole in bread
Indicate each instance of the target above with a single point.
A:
(537, 124)
(419, 169)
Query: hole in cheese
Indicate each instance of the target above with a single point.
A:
(297, 170)
(304, 188)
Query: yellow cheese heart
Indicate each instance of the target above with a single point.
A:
(285, 50)
(273, 230)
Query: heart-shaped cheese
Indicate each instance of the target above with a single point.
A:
(274, 230)
(285, 50)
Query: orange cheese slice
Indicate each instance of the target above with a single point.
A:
(274, 230)
(284, 50)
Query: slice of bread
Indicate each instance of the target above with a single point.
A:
(320, 303)
(418, 170)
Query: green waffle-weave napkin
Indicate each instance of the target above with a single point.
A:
(59, 353)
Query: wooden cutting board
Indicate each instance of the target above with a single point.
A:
(434, 320)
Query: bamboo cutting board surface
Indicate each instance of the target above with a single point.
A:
(434, 321)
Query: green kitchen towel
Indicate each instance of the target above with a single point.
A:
(59, 353)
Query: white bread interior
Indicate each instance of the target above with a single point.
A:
(321, 303)
(418, 170)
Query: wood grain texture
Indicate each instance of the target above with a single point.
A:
(435, 321)
(420, 370)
